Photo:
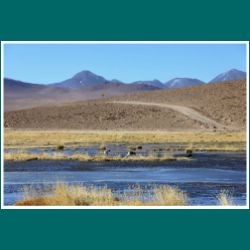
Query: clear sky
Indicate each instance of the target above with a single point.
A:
(50, 63)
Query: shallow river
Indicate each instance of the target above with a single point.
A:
(202, 178)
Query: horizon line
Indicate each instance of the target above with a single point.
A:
(108, 80)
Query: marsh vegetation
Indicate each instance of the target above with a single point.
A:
(78, 195)
(194, 166)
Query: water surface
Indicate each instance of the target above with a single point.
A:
(202, 178)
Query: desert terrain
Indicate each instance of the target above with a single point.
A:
(209, 107)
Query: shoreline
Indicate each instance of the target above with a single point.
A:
(34, 157)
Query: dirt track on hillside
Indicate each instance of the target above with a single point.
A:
(189, 112)
(224, 102)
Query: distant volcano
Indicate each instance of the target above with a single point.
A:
(232, 74)
(82, 79)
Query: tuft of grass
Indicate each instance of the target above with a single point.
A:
(103, 147)
(77, 195)
(70, 195)
(132, 148)
(225, 199)
(189, 152)
(60, 147)
(169, 196)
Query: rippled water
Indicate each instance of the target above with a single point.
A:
(203, 178)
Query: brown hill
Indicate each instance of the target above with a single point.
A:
(223, 102)
(220, 106)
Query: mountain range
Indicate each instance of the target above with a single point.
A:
(86, 78)
(86, 85)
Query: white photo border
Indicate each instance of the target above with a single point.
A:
(3, 43)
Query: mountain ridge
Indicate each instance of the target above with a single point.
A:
(87, 78)
(84, 85)
(232, 74)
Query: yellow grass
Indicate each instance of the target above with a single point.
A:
(77, 195)
(169, 195)
(18, 137)
(15, 138)
(225, 199)
(23, 156)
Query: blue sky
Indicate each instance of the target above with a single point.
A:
(49, 63)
